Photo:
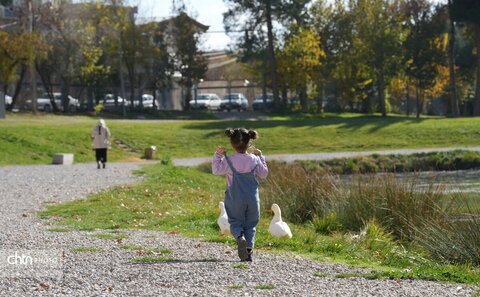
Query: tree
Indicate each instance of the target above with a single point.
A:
(379, 41)
(190, 63)
(451, 64)
(468, 11)
(68, 37)
(159, 67)
(342, 68)
(423, 47)
(299, 61)
(18, 50)
(260, 14)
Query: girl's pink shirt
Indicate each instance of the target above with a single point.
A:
(241, 162)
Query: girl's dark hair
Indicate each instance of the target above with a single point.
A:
(241, 138)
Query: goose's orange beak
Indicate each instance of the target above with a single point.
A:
(270, 211)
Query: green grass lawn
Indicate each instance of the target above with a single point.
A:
(184, 200)
(34, 139)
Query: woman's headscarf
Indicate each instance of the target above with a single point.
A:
(101, 123)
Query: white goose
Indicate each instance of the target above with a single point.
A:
(223, 220)
(278, 228)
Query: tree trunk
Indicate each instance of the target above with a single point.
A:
(417, 96)
(188, 95)
(303, 99)
(476, 110)
(271, 51)
(65, 91)
(381, 94)
(264, 84)
(284, 98)
(451, 67)
(18, 87)
(407, 100)
(320, 97)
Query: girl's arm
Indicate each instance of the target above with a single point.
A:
(262, 169)
(219, 164)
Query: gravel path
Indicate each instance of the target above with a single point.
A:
(199, 269)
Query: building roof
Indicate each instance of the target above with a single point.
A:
(165, 21)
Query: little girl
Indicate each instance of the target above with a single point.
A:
(241, 197)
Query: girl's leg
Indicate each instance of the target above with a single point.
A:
(236, 217)
(252, 219)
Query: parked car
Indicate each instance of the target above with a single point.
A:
(260, 104)
(147, 101)
(109, 102)
(45, 104)
(234, 101)
(206, 101)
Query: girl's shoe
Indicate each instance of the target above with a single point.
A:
(242, 248)
(249, 257)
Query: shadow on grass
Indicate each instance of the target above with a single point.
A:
(347, 123)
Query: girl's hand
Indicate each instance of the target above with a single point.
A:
(257, 152)
(220, 150)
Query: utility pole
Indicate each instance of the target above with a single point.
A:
(2, 105)
(33, 77)
(451, 64)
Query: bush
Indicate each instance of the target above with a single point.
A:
(301, 194)
(455, 240)
(98, 108)
(452, 160)
(374, 237)
(327, 224)
(393, 209)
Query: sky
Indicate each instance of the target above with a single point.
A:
(207, 12)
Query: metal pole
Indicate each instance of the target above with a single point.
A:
(33, 77)
(2, 105)
(195, 94)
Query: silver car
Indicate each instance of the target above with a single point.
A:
(147, 101)
(234, 101)
(44, 103)
(206, 101)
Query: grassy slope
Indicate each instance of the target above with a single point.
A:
(29, 140)
(184, 200)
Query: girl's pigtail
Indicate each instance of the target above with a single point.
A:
(229, 132)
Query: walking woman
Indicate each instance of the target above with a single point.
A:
(100, 135)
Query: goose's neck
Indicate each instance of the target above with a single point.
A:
(222, 211)
(277, 216)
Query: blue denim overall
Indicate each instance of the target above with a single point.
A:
(242, 204)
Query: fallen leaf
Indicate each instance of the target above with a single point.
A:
(44, 286)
